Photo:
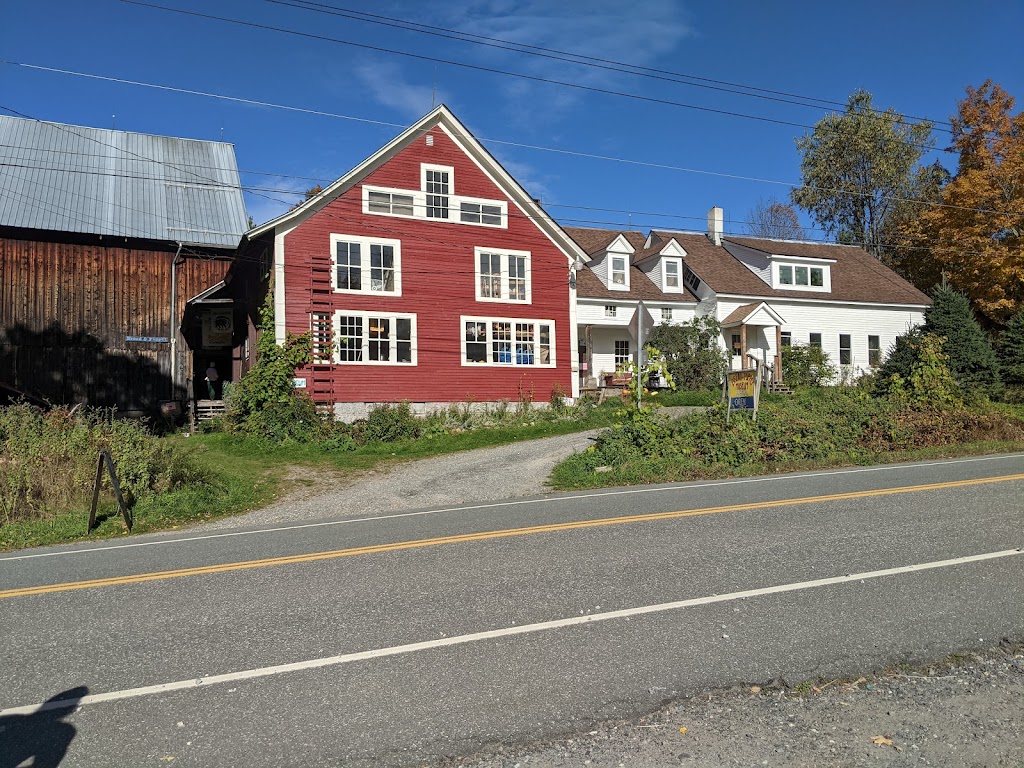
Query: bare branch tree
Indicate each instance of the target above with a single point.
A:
(770, 218)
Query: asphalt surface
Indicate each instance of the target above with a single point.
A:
(415, 705)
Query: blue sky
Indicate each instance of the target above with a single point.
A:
(914, 56)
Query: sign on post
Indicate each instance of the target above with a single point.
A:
(743, 390)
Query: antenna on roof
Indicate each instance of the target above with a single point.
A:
(433, 91)
(113, 122)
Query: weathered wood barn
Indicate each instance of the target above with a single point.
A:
(120, 281)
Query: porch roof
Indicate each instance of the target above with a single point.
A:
(755, 313)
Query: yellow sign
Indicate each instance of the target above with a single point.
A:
(742, 383)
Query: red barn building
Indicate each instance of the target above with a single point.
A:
(427, 274)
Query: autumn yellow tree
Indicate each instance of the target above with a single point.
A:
(975, 237)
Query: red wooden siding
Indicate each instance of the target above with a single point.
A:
(437, 284)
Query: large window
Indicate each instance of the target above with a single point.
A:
(366, 265)
(845, 349)
(502, 275)
(622, 353)
(874, 351)
(376, 338)
(515, 342)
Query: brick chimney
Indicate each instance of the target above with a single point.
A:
(716, 225)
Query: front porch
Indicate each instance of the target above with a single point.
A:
(753, 333)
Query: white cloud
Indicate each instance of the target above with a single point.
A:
(387, 86)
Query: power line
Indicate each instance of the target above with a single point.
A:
(490, 70)
(555, 150)
(585, 60)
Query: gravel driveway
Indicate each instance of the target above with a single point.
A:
(487, 474)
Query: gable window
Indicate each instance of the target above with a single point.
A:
(691, 280)
(503, 275)
(476, 212)
(618, 272)
(610, 310)
(845, 349)
(622, 355)
(671, 274)
(666, 314)
(489, 341)
(392, 203)
(437, 185)
(874, 351)
(376, 338)
(366, 265)
(815, 340)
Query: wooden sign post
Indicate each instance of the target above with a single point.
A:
(104, 459)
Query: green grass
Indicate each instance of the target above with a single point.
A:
(246, 475)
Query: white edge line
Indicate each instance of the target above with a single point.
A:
(519, 502)
(444, 642)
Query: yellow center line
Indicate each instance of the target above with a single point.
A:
(486, 535)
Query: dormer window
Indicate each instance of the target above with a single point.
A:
(670, 275)
(809, 277)
(617, 273)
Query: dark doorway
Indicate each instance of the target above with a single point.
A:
(202, 359)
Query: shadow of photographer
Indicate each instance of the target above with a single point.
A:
(40, 739)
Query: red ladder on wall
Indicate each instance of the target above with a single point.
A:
(321, 317)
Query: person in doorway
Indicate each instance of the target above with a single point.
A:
(212, 378)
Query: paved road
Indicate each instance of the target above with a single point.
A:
(405, 638)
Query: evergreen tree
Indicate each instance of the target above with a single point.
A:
(1011, 352)
(899, 362)
(971, 357)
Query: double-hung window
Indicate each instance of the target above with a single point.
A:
(437, 184)
(375, 338)
(610, 310)
(503, 275)
(845, 349)
(666, 314)
(366, 265)
(814, 340)
(515, 342)
(671, 274)
(874, 351)
(617, 272)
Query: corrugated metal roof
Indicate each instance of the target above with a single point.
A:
(70, 178)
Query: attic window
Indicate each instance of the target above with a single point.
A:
(801, 277)
(691, 280)
(671, 267)
(617, 273)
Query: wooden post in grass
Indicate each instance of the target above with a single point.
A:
(104, 459)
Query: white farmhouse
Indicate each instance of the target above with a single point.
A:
(766, 294)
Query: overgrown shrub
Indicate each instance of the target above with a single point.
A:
(692, 352)
(48, 459)
(806, 366)
(391, 422)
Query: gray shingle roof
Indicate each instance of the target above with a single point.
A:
(94, 181)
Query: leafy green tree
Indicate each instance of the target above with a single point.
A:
(806, 366)
(855, 166)
(691, 352)
(1010, 352)
(972, 360)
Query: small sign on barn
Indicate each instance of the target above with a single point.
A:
(218, 328)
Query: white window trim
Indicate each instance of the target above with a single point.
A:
(456, 204)
(364, 315)
(504, 253)
(826, 277)
(419, 202)
(513, 320)
(679, 275)
(449, 169)
(364, 248)
(612, 285)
